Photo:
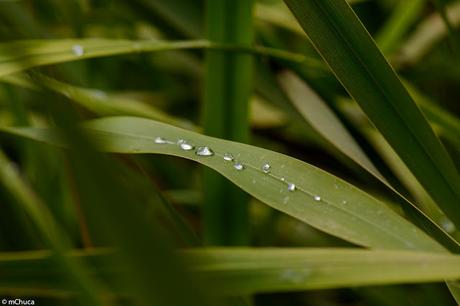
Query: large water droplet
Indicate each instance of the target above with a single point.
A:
(228, 157)
(447, 225)
(160, 140)
(204, 151)
(238, 166)
(266, 168)
(317, 198)
(291, 186)
(78, 50)
(186, 146)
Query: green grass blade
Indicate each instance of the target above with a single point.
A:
(322, 118)
(97, 101)
(35, 53)
(242, 271)
(227, 92)
(319, 198)
(351, 53)
(402, 18)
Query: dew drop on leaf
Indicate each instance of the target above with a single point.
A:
(186, 146)
(238, 166)
(160, 140)
(291, 187)
(266, 168)
(228, 157)
(204, 151)
(317, 198)
(78, 50)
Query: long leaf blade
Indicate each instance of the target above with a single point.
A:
(291, 186)
(352, 55)
(240, 271)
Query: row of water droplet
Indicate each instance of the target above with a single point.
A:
(206, 151)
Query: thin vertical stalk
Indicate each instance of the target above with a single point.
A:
(226, 94)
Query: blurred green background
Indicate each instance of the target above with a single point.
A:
(125, 216)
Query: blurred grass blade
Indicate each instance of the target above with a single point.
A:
(323, 119)
(424, 201)
(152, 273)
(97, 101)
(351, 53)
(227, 90)
(427, 34)
(277, 15)
(35, 273)
(440, 6)
(318, 199)
(21, 55)
(183, 16)
(395, 28)
(34, 53)
(447, 124)
(51, 233)
(243, 271)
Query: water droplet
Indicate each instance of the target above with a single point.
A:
(336, 186)
(282, 179)
(291, 186)
(78, 50)
(447, 225)
(186, 146)
(204, 151)
(317, 198)
(160, 140)
(238, 166)
(228, 157)
(344, 202)
(266, 168)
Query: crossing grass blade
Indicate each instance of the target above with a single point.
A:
(352, 55)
